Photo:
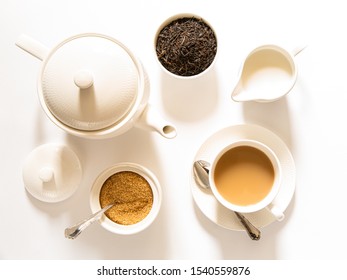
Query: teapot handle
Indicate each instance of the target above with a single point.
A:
(32, 46)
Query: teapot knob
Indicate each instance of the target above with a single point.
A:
(83, 79)
(46, 174)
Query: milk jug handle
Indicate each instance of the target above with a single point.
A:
(32, 46)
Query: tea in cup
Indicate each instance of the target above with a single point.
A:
(246, 176)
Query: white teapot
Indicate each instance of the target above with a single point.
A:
(92, 86)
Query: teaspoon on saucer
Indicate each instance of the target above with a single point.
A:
(201, 172)
(76, 230)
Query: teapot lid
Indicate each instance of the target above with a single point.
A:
(89, 82)
(52, 172)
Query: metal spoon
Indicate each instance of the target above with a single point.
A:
(201, 171)
(76, 230)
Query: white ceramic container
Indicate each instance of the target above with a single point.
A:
(92, 86)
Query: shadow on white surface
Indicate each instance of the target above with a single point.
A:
(273, 115)
(236, 245)
(135, 146)
(148, 244)
(189, 99)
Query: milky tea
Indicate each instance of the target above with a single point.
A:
(244, 175)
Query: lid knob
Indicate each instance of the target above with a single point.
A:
(46, 174)
(83, 79)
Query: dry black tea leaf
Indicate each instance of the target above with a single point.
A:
(187, 46)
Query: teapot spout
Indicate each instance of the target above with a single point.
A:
(151, 120)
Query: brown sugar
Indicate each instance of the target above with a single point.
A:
(132, 195)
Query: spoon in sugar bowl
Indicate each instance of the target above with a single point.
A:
(201, 175)
(76, 230)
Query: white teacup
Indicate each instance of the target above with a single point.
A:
(117, 228)
(246, 176)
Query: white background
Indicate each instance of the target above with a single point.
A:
(311, 120)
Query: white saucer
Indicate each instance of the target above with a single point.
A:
(52, 172)
(205, 199)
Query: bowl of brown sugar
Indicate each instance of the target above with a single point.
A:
(136, 194)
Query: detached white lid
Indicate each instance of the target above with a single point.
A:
(52, 172)
(89, 82)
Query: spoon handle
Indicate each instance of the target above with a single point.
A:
(75, 230)
(252, 231)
